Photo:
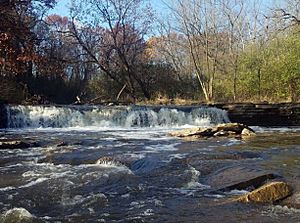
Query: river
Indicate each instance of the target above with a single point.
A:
(118, 164)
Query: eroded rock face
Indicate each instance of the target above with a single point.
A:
(227, 129)
(268, 193)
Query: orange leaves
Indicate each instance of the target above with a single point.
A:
(152, 46)
(57, 21)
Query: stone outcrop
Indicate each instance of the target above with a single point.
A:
(227, 129)
(263, 114)
(268, 193)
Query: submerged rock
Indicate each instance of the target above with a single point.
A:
(293, 201)
(17, 144)
(61, 144)
(227, 129)
(268, 193)
(239, 178)
(18, 215)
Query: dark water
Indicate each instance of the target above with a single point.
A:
(153, 178)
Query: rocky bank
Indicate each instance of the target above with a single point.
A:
(263, 114)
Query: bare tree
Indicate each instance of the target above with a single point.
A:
(202, 25)
(111, 33)
(288, 13)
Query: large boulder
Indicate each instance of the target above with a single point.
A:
(226, 129)
(268, 193)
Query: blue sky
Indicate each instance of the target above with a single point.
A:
(158, 5)
(62, 7)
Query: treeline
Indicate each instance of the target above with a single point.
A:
(121, 50)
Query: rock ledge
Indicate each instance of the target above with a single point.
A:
(226, 129)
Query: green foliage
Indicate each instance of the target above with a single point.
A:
(273, 72)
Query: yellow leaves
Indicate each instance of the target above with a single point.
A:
(153, 44)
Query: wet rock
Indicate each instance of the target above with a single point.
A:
(227, 129)
(239, 178)
(17, 144)
(61, 144)
(294, 200)
(146, 164)
(268, 193)
(247, 133)
(18, 215)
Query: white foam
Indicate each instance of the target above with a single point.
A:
(193, 183)
(32, 183)
(7, 188)
(177, 156)
(30, 174)
(218, 196)
(92, 116)
(162, 147)
(148, 212)
(125, 195)
(237, 192)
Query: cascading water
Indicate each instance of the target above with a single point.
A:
(102, 116)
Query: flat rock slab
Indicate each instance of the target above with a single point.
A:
(268, 193)
(226, 129)
(239, 178)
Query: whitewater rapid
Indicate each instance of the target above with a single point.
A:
(119, 116)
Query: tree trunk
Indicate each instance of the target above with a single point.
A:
(259, 83)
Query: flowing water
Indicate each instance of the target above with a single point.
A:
(118, 164)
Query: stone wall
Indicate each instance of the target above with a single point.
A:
(284, 114)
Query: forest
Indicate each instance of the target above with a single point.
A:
(123, 50)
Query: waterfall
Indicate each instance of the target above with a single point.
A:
(118, 116)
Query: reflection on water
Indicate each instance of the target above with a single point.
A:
(138, 175)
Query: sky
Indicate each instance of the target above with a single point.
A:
(158, 5)
(62, 7)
